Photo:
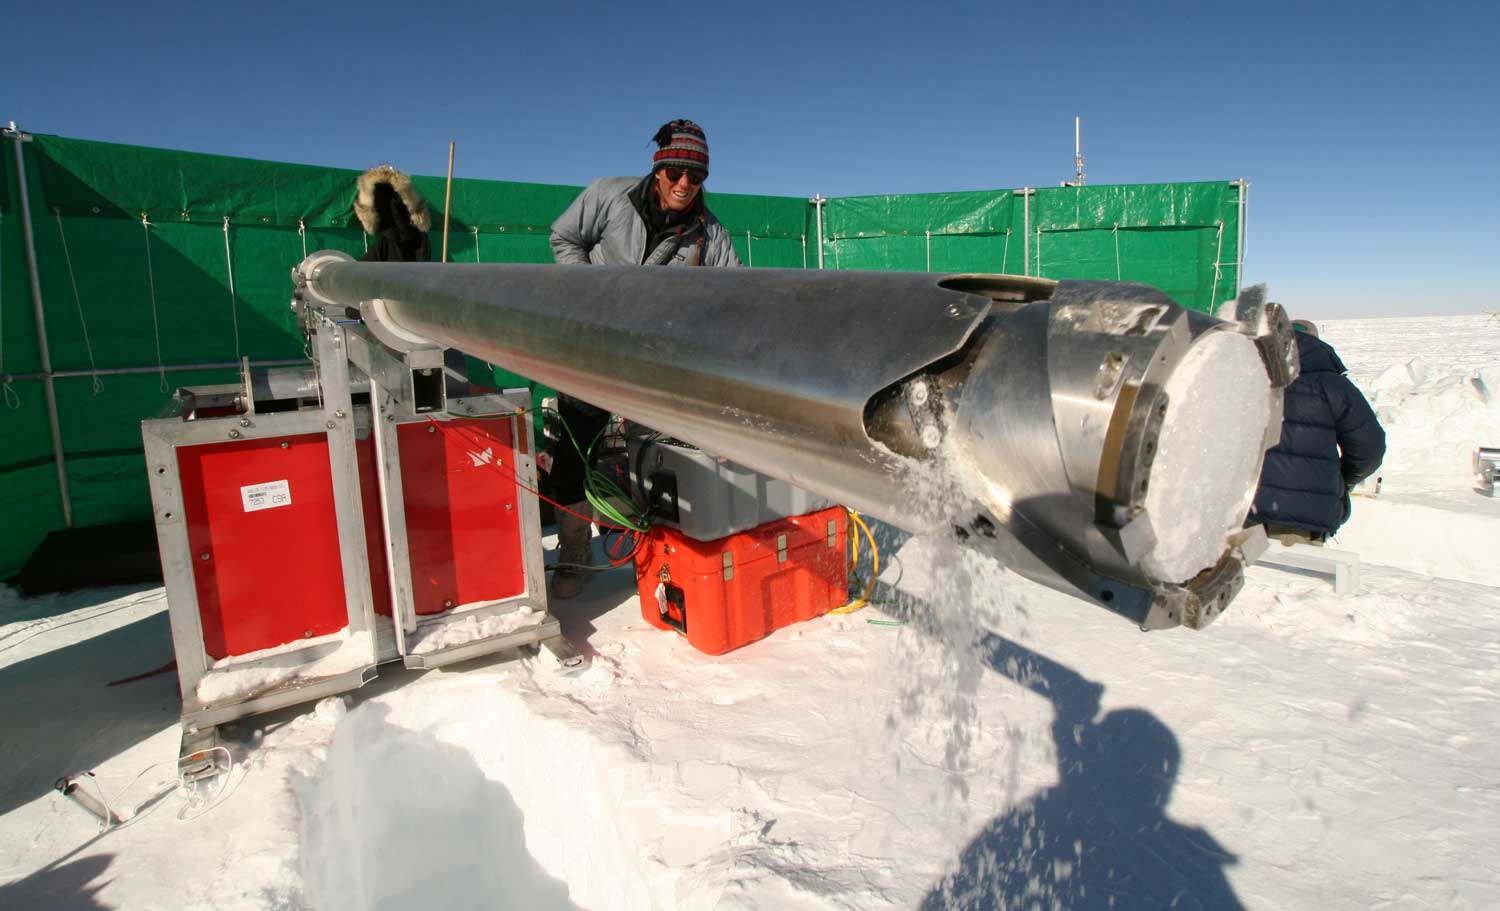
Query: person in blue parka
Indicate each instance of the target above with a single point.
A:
(1330, 441)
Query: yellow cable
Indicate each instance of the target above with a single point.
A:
(863, 599)
(853, 548)
(874, 559)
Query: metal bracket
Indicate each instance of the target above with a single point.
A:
(390, 334)
(305, 296)
(1487, 469)
(1267, 324)
(397, 376)
(569, 661)
(200, 757)
(247, 387)
(1343, 565)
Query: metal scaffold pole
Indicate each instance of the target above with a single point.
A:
(1025, 231)
(43, 353)
(1244, 221)
(170, 368)
(817, 202)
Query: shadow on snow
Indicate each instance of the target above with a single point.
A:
(1101, 837)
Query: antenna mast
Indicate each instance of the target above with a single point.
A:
(1079, 178)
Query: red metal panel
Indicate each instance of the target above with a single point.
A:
(369, 495)
(264, 576)
(764, 595)
(462, 517)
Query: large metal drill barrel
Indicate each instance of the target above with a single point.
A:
(1093, 436)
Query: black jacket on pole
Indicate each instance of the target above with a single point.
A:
(1330, 441)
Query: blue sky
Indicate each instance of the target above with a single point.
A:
(1370, 132)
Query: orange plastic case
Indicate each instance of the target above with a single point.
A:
(727, 593)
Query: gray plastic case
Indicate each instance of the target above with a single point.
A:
(715, 497)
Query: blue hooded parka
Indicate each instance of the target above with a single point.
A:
(1330, 441)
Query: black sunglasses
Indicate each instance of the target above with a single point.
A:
(695, 177)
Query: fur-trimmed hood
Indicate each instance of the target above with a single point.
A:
(400, 182)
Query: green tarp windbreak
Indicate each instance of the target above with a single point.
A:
(136, 246)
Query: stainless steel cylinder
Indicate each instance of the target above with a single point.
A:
(291, 383)
(1027, 418)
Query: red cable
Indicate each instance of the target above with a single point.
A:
(169, 666)
(615, 558)
(536, 493)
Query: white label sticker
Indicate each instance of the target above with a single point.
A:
(266, 496)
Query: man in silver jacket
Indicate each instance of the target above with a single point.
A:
(658, 220)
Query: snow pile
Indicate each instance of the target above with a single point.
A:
(1435, 385)
(458, 629)
(1208, 455)
(396, 818)
(290, 664)
(1436, 417)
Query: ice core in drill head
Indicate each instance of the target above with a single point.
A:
(1209, 455)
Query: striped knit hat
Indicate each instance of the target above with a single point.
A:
(681, 144)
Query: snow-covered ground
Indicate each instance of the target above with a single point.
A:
(1005, 747)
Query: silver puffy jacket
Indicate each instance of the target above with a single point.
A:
(604, 228)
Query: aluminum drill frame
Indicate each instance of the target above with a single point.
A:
(337, 344)
(392, 404)
(337, 421)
